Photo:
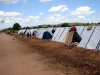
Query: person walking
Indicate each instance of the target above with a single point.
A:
(28, 35)
(22, 34)
(13, 36)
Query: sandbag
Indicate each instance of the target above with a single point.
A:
(89, 27)
(69, 38)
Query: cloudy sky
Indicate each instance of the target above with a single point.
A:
(37, 12)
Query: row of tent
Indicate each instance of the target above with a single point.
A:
(90, 39)
(42, 33)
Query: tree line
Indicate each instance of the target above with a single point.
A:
(17, 26)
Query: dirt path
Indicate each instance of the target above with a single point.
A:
(13, 61)
(71, 60)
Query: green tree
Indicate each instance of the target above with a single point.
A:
(88, 23)
(99, 23)
(48, 25)
(16, 26)
(40, 26)
(27, 27)
(65, 25)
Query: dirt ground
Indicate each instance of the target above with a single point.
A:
(33, 56)
(15, 59)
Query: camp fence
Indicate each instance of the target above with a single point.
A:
(90, 39)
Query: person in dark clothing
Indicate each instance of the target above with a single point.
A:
(22, 34)
(53, 31)
(28, 35)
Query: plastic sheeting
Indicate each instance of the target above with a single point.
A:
(40, 33)
(32, 31)
(91, 39)
(94, 42)
(62, 38)
(21, 31)
(85, 38)
(55, 34)
(80, 30)
(59, 34)
(27, 31)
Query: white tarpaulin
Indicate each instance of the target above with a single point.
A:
(94, 41)
(56, 33)
(80, 30)
(64, 34)
(59, 34)
(91, 38)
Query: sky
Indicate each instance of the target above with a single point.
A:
(39, 12)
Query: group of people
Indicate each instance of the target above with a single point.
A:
(28, 34)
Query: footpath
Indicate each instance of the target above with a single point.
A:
(13, 61)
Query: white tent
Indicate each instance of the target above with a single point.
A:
(91, 38)
(60, 34)
(80, 29)
(50, 30)
(27, 31)
(32, 31)
(55, 34)
(41, 31)
(63, 35)
(21, 31)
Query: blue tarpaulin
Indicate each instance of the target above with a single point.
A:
(47, 35)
